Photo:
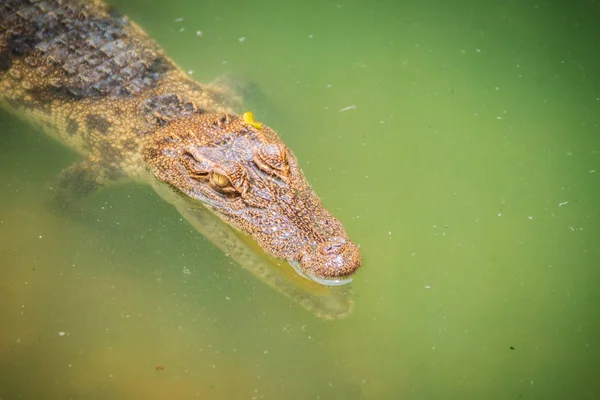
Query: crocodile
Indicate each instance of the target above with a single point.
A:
(95, 81)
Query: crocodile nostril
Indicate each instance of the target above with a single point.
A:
(331, 262)
(330, 248)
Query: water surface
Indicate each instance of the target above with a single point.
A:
(457, 141)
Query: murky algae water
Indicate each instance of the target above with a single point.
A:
(457, 141)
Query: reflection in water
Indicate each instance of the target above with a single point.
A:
(326, 302)
(475, 124)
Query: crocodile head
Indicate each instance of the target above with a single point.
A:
(242, 171)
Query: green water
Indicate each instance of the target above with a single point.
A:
(468, 169)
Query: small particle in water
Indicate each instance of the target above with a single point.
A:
(242, 39)
(186, 271)
(190, 72)
(390, 233)
(159, 367)
(182, 29)
(199, 33)
(61, 333)
(573, 229)
(178, 19)
(227, 298)
(497, 88)
(310, 36)
(427, 287)
(512, 348)
(477, 50)
(563, 203)
(590, 171)
(352, 107)
(382, 122)
(530, 217)
(329, 85)
(499, 117)
(499, 214)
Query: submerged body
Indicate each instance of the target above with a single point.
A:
(96, 82)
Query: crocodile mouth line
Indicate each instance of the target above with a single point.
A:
(323, 281)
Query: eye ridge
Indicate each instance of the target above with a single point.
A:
(273, 159)
(192, 166)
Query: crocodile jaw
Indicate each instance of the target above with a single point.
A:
(243, 172)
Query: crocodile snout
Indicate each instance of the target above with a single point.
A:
(331, 262)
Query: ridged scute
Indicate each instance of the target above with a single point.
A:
(162, 109)
(84, 48)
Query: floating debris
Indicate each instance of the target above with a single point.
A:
(563, 203)
(242, 39)
(352, 107)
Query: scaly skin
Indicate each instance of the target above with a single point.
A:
(96, 82)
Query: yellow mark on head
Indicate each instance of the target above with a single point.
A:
(248, 118)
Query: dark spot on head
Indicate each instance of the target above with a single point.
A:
(130, 144)
(160, 65)
(164, 108)
(98, 123)
(72, 126)
(5, 61)
(16, 46)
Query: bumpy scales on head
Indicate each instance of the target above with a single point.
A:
(242, 171)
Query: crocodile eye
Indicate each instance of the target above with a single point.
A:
(232, 181)
(220, 180)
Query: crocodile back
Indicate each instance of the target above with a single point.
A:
(91, 78)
